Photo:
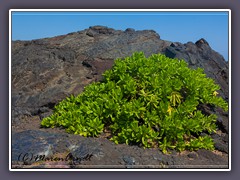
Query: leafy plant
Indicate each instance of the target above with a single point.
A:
(151, 101)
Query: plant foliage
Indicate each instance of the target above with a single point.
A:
(151, 102)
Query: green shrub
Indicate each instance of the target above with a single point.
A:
(151, 102)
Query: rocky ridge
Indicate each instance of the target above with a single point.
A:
(45, 71)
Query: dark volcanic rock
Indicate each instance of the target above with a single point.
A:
(39, 149)
(45, 71)
(33, 143)
(201, 55)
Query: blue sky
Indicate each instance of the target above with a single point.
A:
(172, 26)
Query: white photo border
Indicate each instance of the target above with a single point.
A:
(118, 10)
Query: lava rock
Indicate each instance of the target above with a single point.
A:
(192, 155)
(28, 146)
(46, 71)
(129, 160)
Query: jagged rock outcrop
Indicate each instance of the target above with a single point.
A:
(201, 55)
(45, 71)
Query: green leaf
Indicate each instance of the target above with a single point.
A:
(146, 101)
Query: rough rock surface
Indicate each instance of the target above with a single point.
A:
(45, 71)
